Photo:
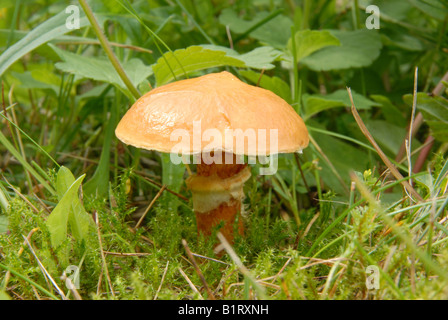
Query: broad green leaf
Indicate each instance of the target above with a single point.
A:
(29, 82)
(434, 111)
(358, 49)
(194, 58)
(274, 84)
(317, 103)
(78, 219)
(309, 41)
(58, 219)
(274, 32)
(391, 113)
(259, 58)
(48, 30)
(388, 135)
(101, 69)
(403, 41)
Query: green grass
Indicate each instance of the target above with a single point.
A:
(312, 229)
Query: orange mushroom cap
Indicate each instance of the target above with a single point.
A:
(218, 102)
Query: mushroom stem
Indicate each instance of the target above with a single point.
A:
(217, 195)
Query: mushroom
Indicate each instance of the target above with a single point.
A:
(218, 119)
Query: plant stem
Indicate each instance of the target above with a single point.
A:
(107, 48)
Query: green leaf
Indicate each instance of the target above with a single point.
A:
(353, 159)
(434, 111)
(194, 58)
(391, 113)
(271, 33)
(78, 218)
(29, 82)
(259, 58)
(317, 103)
(274, 84)
(48, 30)
(358, 49)
(68, 205)
(101, 69)
(309, 41)
(172, 177)
(99, 183)
(388, 135)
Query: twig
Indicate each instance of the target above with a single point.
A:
(114, 44)
(192, 286)
(149, 207)
(198, 271)
(409, 141)
(120, 254)
(44, 271)
(169, 190)
(225, 244)
(103, 257)
(161, 282)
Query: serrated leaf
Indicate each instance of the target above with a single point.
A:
(358, 49)
(435, 113)
(309, 41)
(194, 58)
(101, 69)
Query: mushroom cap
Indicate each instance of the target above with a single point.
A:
(214, 112)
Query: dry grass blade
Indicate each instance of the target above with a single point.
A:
(132, 254)
(71, 286)
(44, 271)
(192, 286)
(409, 140)
(383, 157)
(198, 271)
(161, 282)
(103, 257)
(150, 206)
(226, 245)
